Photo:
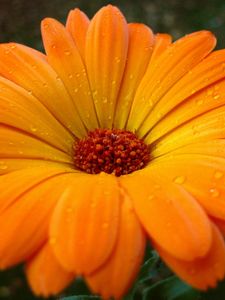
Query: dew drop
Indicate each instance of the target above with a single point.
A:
(151, 197)
(95, 92)
(76, 90)
(117, 59)
(70, 76)
(199, 101)
(218, 174)
(3, 166)
(33, 128)
(104, 100)
(179, 179)
(67, 52)
(216, 97)
(46, 26)
(214, 192)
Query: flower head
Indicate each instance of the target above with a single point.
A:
(114, 137)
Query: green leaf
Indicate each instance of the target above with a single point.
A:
(171, 288)
(84, 297)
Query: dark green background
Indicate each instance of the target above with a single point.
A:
(20, 22)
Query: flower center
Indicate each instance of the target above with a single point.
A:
(111, 151)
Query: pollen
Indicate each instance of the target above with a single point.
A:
(111, 151)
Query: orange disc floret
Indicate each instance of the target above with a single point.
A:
(111, 151)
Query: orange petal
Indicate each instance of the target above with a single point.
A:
(124, 263)
(170, 215)
(220, 225)
(162, 42)
(201, 173)
(105, 60)
(28, 212)
(77, 25)
(197, 92)
(65, 59)
(141, 42)
(204, 272)
(45, 276)
(86, 215)
(16, 144)
(205, 127)
(8, 165)
(33, 118)
(175, 62)
(31, 72)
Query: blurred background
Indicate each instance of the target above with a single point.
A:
(20, 22)
(20, 19)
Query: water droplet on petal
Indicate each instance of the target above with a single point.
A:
(33, 128)
(218, 175)
(67, 52)
(214, 192)
(3, 166)
(199, 101)
(179, 179)
(117, 59)
(104, 100)
(216, 97)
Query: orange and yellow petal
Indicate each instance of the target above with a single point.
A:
(162, 42)
(77, 25)
(20, 65)
(141, 41)
(170, 215)
(33, 118)
(106, 60)
(16, 144)
(178, 59)
(26, 205)
(204, 272)
(205, 127)
(200, 174)
(114, 278)
(84, 226)
(64, 57)
(198, 92)
(44, 273)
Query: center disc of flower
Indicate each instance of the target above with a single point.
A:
(111, 151)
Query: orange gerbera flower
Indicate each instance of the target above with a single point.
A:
(114, 136)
